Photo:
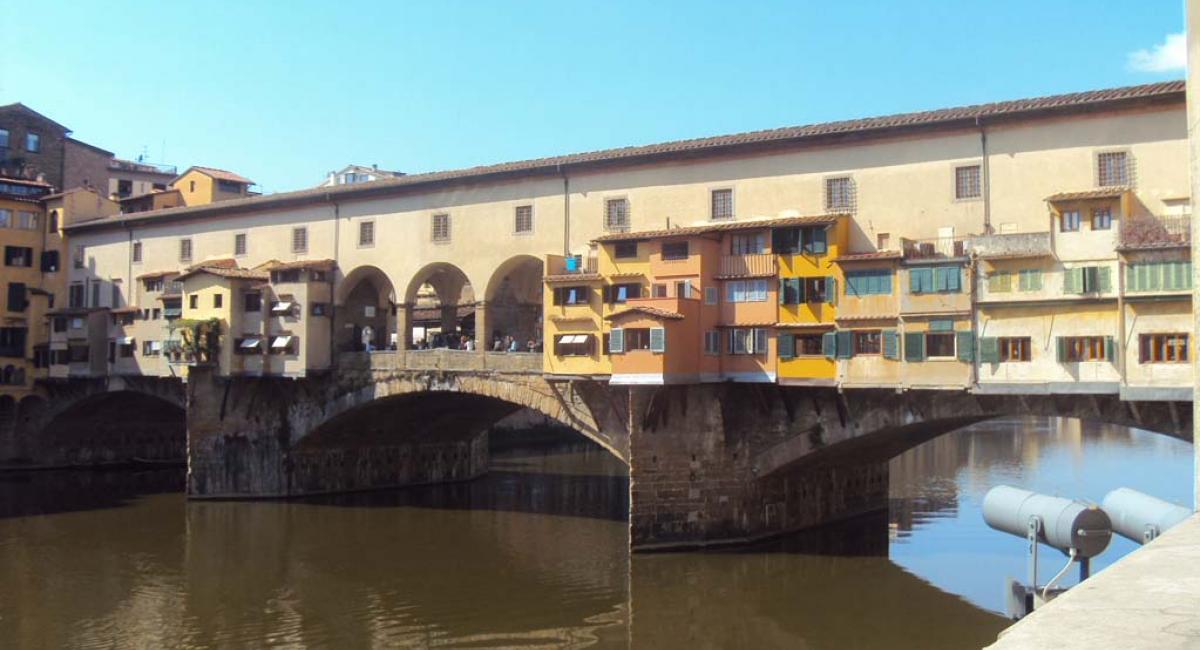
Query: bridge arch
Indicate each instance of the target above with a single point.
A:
(113, 426)
(440, 303)
(513, 300)
(365, 297)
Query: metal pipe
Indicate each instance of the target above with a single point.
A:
(985, 172)
(566, 211)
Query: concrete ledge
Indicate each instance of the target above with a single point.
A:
(1156, 393)
(1148, 599)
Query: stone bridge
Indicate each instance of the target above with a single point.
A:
(709, 464)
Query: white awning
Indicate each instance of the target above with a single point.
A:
(281, 306)
(125, 340)
(281, 342)
(250, 343)
(573, 338)
(156, 346)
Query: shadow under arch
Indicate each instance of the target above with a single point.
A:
(365, 297)
(115, 427)
(439, 297)
(513, 300)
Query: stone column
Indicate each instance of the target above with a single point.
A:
(483, 326)
(404, 326)
(449, 318)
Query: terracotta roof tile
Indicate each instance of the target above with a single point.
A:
(1084, 195)
(156, 274)
(649, 311)
(959, 117)
(220, 263)
(219, 174)
(869, 317)
(316, 265)
(224, 272)
(726, 226)
(812, 326)
(869, 257)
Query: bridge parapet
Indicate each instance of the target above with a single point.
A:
(442, 359)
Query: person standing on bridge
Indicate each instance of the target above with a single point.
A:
(367, 338)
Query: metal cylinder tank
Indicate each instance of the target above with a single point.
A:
(1065, 523)
(1134, 514)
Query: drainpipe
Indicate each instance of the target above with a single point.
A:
(566, 210)
(337, 232)
(1119, 349)
(985, 171)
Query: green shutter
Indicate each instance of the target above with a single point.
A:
(919, 280)
(1000, 282)
(1073, 280)
(953, 278)
(658, 339)
(831, 290)
(616, 341)
(798, 285)
(1132, 276)
(1168, 276)
(787, 345)
(845, 344)
(941, 325)
(1110, 349)
(989, 349)
(1031, 279)
(891, 344)
(1104, 279)
(914, 346)
(1062, 348)
(829, 344)
(1185, 268)
(965, 346)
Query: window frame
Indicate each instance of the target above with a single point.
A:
(1150, 343)
(1107, 213)
(366, 233)
(1021, 345)
(1101, 169)
(186, 251)
(620, 250)
(959, 183)
(713, 193)
(1077, 220)
(517, 217)
(867, 342)
(299, 239)
(951, 335)
(440, 228)
(849, 198)
(675, 255)
(35, 138)
(609, 224)
(241, 243)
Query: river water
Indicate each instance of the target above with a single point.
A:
(534, 555)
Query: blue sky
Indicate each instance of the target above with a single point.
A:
(284, 92)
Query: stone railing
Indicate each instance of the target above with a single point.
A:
(936, 248)
(1010, 244)
(1156, 232)
(442, 360)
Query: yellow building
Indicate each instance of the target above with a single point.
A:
(809, 286)
(210, 292)
(32, 272)
(203, 185)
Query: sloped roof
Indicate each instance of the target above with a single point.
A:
(1084, 195)
(222, 272)
(19, 107)
(724, 226)
(649, 311)
(318, 265)
(949, 118)
(219, 174)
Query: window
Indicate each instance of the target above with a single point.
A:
(193, 301)
(939, 345)
(33, 142)
(96, 294)
(620, 293)
(53, 223)
(116, 294)
(16, 296)
(75, 295)
(5, 218)
(12, 341)
(18, 256)
(192, 186)
(935, 279)
(1000, 281)
(675, 250)
(185, 250)
(1070, 221)
(710, 295)
(722, 205)
(868, 342)
(658, 290)
(636, 338)
(523, 219)
(748, 341)
(283, 277)
(754, 244)
(60, 324)
(1112, 169)
(137, 252)
(1087, 279)
(625, 250)
(967, 182)
(573, 345)
(1013, 348)
(229, 186)
(156, 313)
(818, 290)
(124, 187)
(839, 194)
(810, 240)
(883, 241)
(27, 220)
(151, 348)
(808, 345)
(746, 291)
(440, 227)
(126, 348)
(77, 354)
(616, 215)
(1101, 219)
(571, 295)
(218, 299)
(3, 138)
(712, 342)
(1030, 280)
(869, 283)
(320, 309)
(153, 284)
(1156, 276)
(239, 244)
(300, 240)
(366, 233)
(684, 289)
(284, 345)
(1072, 349)
(1163, 348)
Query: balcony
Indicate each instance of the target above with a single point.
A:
(933, 249)
(1147, 231)
(557, 265)
(748, 266)
(1010, 245)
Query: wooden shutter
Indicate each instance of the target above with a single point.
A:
(914, 346)
(831, 289)
(989, 349)
(658, 339)
(891, 344)
(558, 296)
(845, 344)
(1110, 348)
(1073, 280)
(786, 343)
(1104, 279)
(616, 341)
(965, 346)
(829, 344)
(1062, 348)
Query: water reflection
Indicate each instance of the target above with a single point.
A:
(534, 555)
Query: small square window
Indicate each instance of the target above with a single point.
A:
(33, 142)
(218, 300)
(967, 183)
(523, 218)
(1112, 169)
(722, 205)
(366, 233)
(616, 215)
(1102, 219)
(299, 240)
(839, 194)
(675, 250)
(625, 250)
(1070, 221)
